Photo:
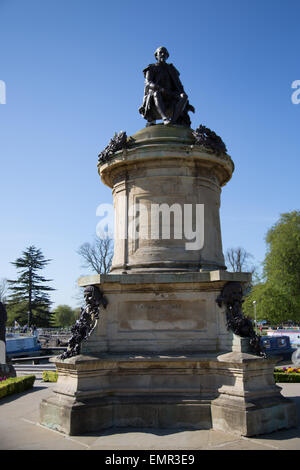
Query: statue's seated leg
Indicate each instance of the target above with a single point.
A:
(160, 107)
(180, 106)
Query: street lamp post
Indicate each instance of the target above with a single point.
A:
(254, 303)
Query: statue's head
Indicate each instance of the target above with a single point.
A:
(232, 291)
(94, 297)
(91, 295)
(161, 54)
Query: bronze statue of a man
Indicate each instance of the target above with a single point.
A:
(164, 96)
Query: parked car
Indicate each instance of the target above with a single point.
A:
(277, 346)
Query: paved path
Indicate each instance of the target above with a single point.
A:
(19, 429)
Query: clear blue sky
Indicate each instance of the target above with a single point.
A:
(73, 74)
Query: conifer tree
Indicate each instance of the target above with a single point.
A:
(29, 301)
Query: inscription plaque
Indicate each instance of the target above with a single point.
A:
(163, 315)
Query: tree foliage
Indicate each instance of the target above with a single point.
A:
(282, 261)
(272, 303)
(29, 301)
(63, 315)
(278, 295)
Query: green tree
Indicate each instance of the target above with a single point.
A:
(278, 295)
(272, 303)
(29, 301)
(282, 261)
(16, 311)
(63, 315)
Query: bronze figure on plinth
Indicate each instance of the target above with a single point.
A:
(164, 95)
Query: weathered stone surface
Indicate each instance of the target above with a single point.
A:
(129, 391)
(161, 356)
(234, 391)
(253, 417)
(249, 401)
(163, 166)
(161, 313)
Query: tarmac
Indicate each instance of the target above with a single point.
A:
(20, 430)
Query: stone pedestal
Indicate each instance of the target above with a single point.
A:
(249, 401)
(150, 359)
(156, 391)
(160, 354)
(161, 313)
(6, 370)
(232, 392)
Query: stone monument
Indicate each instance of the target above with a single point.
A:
(162, 341)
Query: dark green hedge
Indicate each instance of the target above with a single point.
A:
(287, 377)
(50, 376)
(16, 385)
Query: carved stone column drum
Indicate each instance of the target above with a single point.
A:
(166, 195)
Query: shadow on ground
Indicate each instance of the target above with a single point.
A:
(10, 398)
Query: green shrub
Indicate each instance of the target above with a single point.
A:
(287, 377)
(16, 385)
(50, 376)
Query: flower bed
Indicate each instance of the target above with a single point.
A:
(15, 385)
(287, 374)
